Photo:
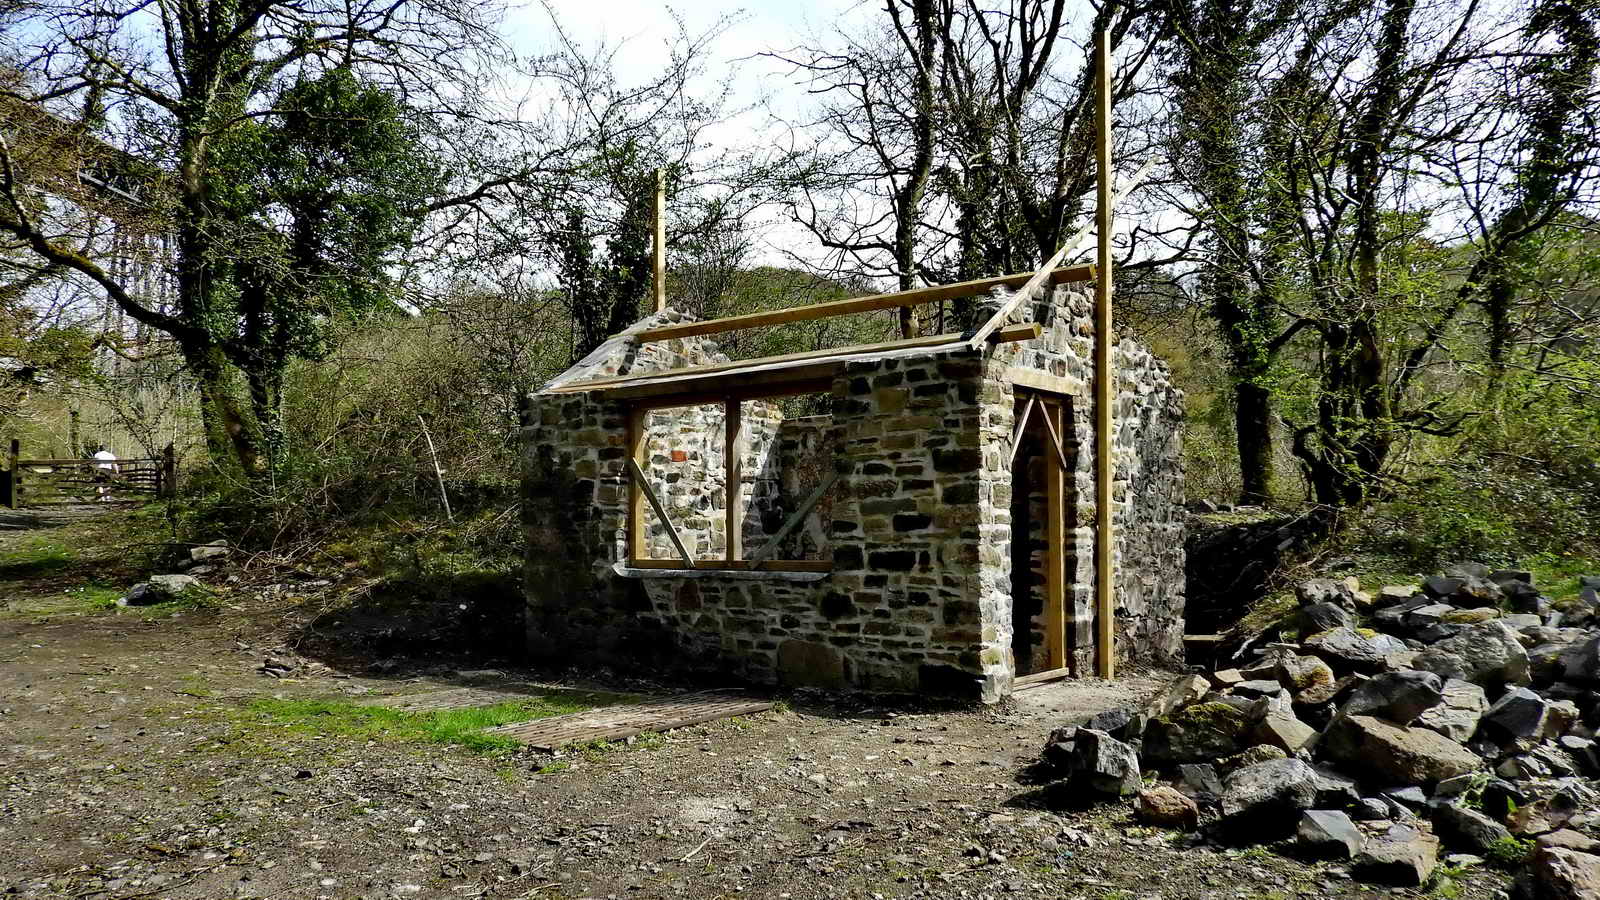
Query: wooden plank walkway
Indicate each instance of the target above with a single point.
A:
(465, 697)
(611, 723)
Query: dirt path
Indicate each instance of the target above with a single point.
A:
(135, 766)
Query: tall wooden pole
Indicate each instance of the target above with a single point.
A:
(659, 254)
(12, 500)
(1104, 379)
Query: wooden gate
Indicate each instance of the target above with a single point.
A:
(54, 482)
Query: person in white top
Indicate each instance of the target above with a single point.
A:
(106, 463)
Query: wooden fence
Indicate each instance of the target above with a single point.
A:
(54, 482)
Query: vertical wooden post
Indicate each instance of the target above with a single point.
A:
(12, 500)
(1055, 580)
(74, 448)
(659, 256)
(636, 451)
(1104, 379)
(733, 455)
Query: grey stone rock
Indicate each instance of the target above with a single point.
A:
(1409, 796)
(1184, 690)
(1320, 617)
(1503, 577)
(1457, 717)
(1438, 631)
(1257, 688)
(1266, 798)
(1489, 655)
(1200, 782)
(1335, 790)
(159, 589)
(1442, 586)
(209, 552)
(1399, 697)
(1479, 589)
(1584, 752)
(1329, 834)
(1058, 752)
(1519, 713)
(1371, 809)
(1500, 797)
(1314, 591)
(1104, 764)
(1432, 614)
(1467, 829)
(1202, 732)
(1402, 855)
(1583, 662)
(1284, 731)
(1589, 581)
(1391, 595)
(1522, 621)
(1466, 569)
(1393, 754)
(1346, 649)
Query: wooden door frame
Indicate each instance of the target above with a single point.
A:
(1047, 403)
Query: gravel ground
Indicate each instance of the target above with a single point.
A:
(132, 768)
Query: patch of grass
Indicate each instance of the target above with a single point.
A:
(551, 768)
(1445, 882)
(461, 727)
(36, 555)
(1557, 576)
(1509, 852)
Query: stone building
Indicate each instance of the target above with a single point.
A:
(931, 530)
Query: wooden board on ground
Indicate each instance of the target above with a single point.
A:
(612, 723)
(465, 697)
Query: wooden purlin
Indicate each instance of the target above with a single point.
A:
(914, 297)
(767, 376)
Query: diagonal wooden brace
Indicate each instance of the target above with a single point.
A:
(795, 518)
(661, 511)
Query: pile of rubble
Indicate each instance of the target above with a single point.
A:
(202, 560)
(1461, 712)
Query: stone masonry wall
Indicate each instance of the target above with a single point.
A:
(918, 527)
(1148, 486)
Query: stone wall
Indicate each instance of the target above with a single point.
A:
(918, 526)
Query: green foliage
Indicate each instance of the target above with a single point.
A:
(1509, 852)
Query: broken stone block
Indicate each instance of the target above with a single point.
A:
(1402, 855)
(1166, 807)
(1198, 733)
(1371, 809)
(1346, 649)
(1563, 874)
(1302, 673)
(1283, 731)
(1396, 754)
(1457, 717)
(1265, 799)
(1335, 791)
(1329, 834)
(1489, 655)
(1180, 693)
(1104, 764)
(1519, 713)
(1466, 828)
(1398, 697)
(1200, 782)
(1320, 617)
(1390, 595)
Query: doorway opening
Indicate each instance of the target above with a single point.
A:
(1043, 523)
